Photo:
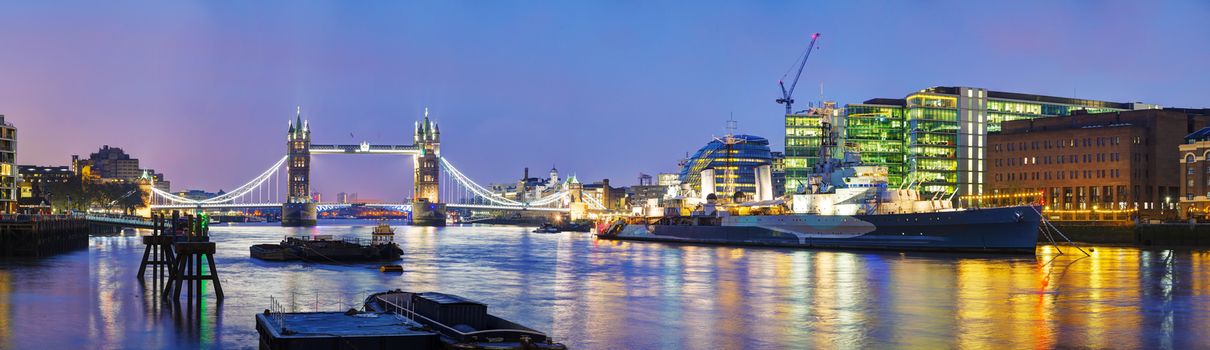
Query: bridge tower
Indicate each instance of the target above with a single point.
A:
(579, 209)
(426, 207)
(299, 210)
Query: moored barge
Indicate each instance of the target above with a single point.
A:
(461, 323)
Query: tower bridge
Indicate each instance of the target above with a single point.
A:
(437, 184)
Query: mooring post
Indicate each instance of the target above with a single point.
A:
(191, 234)
(189, 272)
(157, 251)
(176, 219)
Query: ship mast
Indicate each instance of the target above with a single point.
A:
(827, 137)
(729, 141)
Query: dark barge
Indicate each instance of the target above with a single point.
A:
(325, 249)
(461, 323)
(398, 320)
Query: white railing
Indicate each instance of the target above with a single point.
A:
(215, 206)
(442, 328)
(277, 314)
(118, 220)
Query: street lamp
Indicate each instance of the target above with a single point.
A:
(1167, 203)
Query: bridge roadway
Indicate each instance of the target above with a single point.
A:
(330, 206)
(365, 148)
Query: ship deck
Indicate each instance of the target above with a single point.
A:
(336, 330)
(829, 247)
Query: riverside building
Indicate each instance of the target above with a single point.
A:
(745, 158)
(935, 138)
(8, 167)
(112, 164)
(804, 132)
(1109, 162)
(35, 179)
(1194, 158)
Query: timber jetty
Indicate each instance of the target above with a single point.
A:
(41, 235)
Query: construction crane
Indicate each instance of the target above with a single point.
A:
(786, 95)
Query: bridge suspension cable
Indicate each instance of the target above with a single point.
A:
(550, 199)
(457, 189)
(593, 203)
(238, 192)
(474, 187)
(557, 199)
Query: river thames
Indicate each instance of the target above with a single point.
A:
(599, 294)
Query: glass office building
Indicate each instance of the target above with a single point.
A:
(804, 132)
(876, 128)
(743, 159)
(934, 138)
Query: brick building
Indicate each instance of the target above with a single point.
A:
(1195, 175)
(1106, 161)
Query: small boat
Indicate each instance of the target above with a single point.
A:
(462, 323)
(547, 228)
(391, 268)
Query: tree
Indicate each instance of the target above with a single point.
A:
(76, 194)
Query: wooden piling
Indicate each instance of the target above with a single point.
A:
(158, 251)
(188, 270)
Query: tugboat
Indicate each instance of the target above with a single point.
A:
(462, 323)
(576, 227)
(384, 230)
(547, 228)
(382, 247)
(571, 227)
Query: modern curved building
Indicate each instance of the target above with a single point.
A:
(745, 157)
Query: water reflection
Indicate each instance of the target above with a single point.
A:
(604, 294)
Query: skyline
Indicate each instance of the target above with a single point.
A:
(212, 86)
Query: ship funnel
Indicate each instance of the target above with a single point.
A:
(764, 182)
(707, 182)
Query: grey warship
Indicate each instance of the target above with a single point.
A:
(845, 205)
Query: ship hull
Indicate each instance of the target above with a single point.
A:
(998, 230)
(325, 251)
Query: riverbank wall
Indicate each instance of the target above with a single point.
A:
(38, 236)
(1142, 235)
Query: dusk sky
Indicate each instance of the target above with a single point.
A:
(202, 91)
